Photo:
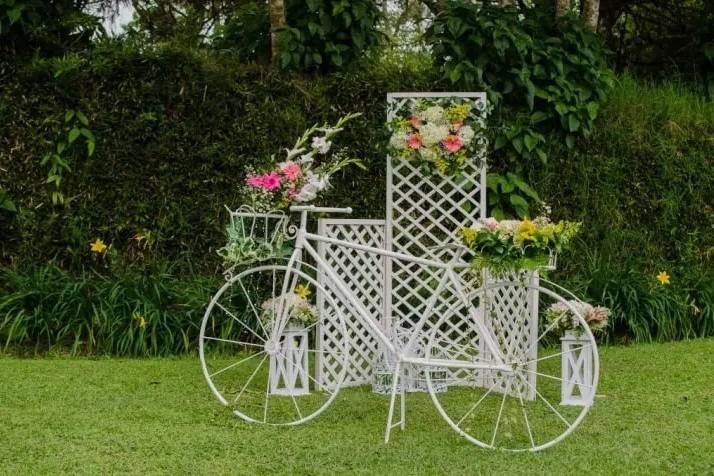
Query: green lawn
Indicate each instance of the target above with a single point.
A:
(654, 414)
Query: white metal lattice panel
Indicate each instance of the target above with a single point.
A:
(364, 274)
(424, 211)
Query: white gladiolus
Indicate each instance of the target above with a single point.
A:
(321, 144)
(305, 158)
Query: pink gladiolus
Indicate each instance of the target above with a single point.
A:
(255, 181)
(415, 121)
(271, 181)
(414, 141)
(291, 170)
(452, 143)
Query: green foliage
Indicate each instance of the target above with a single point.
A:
(545, 78)
(75, 131)
(247, 33)
(509, 193)
(5, 203)
(122, 313)
(327, 34)
(49, 26)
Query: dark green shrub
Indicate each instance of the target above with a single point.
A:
(327, 34)
(546, 79)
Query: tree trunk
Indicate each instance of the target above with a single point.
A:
(561, 7)
(277, 19)
(591, 10)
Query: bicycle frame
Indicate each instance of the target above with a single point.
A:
(405, 354)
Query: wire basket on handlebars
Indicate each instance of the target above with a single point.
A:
(253, 236)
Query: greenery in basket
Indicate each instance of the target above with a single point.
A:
(440, 133)
(561, 318)
(511, 245)
(246, 246)
(300, 311)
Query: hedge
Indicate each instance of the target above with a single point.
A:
(176, 129)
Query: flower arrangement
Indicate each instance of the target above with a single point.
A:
(441, 133)
(510, 245)
(303, 174)
(562, 318)
(300, 311)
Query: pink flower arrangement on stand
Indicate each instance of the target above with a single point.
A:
(304, 173)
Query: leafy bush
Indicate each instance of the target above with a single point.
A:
(543, 77)
(121, 313)
(327, 34)
(175, 131)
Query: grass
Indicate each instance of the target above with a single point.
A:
(654, 414)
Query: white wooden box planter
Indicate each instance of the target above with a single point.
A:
(577, 370)
(289, 366)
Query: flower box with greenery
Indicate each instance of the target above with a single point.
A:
(257, 229)
(301, 313)
(562, 320)
(441, 133)
(513, 245)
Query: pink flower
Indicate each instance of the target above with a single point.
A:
(271, 181)
(414, 141)
(255, 181)
(415, 121)
(452, 143)
(291, 170)
(491, 223)
(291, 193)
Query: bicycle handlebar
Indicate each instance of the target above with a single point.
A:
(314, 209)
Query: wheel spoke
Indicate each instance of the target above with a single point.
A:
(483, 397)
(252, 306)
(498, 420)
(559, 379)
(265, 404)
(546, 402)
(317, 385)
(234, 364)
(556, 355)
(525, 416)
(239, 321)
(233, 341)
(250, 379)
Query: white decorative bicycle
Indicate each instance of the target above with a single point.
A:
(262, 357)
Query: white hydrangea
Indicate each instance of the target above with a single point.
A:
(433, 114)
(427, 154)
(466, 133)
(432, 134)
(508, 227)
(398, 140)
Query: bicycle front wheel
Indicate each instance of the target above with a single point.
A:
(260, 346)
(552, 375)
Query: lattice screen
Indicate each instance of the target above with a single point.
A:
(425, 211)
(364, 273)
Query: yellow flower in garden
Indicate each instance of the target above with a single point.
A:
(663, 277)
(98, 246)
(526, 230)
(141, 322)
(302, 291)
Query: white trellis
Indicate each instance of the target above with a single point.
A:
(423, 213)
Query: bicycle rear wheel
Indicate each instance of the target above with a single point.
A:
(259, 346)
(550, 384)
